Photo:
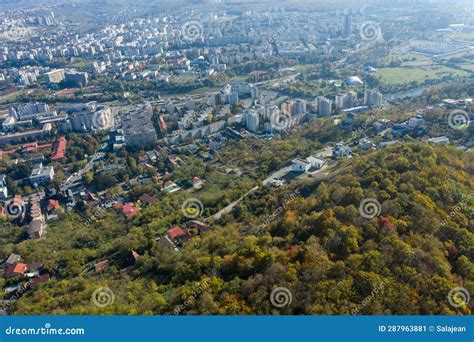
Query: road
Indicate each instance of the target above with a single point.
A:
(69, 182)
(231, 206)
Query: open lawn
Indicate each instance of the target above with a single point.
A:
(398, 76)
(407, 57)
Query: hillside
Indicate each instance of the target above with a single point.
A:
(310, 239)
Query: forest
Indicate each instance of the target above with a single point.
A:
(308, 237)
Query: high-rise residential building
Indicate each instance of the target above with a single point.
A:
(347, 26)
(77, 78)
(55, 76)
(340, 100)
(138, 127)
(324, 106)
(254, 92)
(372, 98)
(299, 107)
(252, 120)
(294, 107)
(351, 99)
(287, 107)
(346, 100)
(231, 98)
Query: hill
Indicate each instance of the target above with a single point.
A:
(315, 242)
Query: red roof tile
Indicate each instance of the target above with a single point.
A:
(16, 269)
(59, 149)
(130, 210)
(176, 232)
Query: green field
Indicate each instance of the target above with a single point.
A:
(405, 58)
(398, 76)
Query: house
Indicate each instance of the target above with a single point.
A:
(300, 165)
(200, 226)
(400, 129)
(366, 144)
(35, 282)
(276, 182)
(178, 236)
(439, 140)
(175, 233)
(134, 256)
(59, 149)
(129, 210)
(151, 156)
(148, 199)
(52, 209)
(166, 241)
(101, 265)
(196, 182)
(416, 121)
(16, 270)
(449, 103)
(11, 260)
(170, 187)
(53, 205)
(340, 151)
(42, 175)
(381, 124)
(36, 229)
(316, 163)
(174, 162)
(35, 266)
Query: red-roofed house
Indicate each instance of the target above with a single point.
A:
(59, 149)
(101, 265)
(53, 205)
(134, 257)
(175, 233)
(16, 270)
(162, 123)
(178, 236)
(196, 182)
(129, 210)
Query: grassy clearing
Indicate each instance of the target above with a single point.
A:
(397, 76)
